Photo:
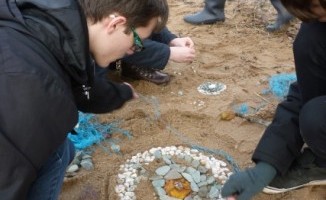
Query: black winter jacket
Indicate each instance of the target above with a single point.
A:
(46, 76)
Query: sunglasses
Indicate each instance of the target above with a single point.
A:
(138, 44)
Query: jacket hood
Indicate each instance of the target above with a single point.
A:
(59, 25)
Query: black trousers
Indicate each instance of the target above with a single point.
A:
(312, 121)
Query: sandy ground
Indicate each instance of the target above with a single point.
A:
(238, 53)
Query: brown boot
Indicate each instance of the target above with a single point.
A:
(143, 73)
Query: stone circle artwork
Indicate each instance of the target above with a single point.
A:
(180, 173)
(211, 88)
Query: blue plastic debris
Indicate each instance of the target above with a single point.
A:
(279, 84)
(89, 132)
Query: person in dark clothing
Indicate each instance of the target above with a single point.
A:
(214, 12)
(48, 53)
(292, 151)
(148, 64)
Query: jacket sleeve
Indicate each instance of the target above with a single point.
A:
(164, 36)
(35, 116)
(156, 53)
(104, 96)
(281, 143)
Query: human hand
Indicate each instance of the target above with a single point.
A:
(182, 42)
(134, 94)
(245, 184)
(182, 54)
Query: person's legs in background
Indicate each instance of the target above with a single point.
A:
(48, 184)
(213, 12)
(283, 17)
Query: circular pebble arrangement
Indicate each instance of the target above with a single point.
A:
(211, 88)
(184, 173)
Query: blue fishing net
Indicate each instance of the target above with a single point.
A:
(90, 131)
(242, 109)
(279, 84)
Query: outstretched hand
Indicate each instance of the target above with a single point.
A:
(182, 42)
(182, 54)
(245, 184)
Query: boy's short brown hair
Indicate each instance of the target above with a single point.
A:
(137, 12)
(302, 8)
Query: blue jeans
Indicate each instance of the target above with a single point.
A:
(49, 181)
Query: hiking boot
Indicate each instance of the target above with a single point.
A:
(148, 74)
(302, 173)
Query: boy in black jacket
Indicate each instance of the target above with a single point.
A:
(282, 164)
(47, 75)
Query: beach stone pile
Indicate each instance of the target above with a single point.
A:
(81, 160)
(183, 173)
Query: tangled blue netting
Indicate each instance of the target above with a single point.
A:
(242, 109)
(279, 84)
(89, 132)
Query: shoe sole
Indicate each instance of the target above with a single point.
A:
(143, 79)
(272, 190)
(207, 22)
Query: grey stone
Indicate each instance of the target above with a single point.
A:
(158, 183)
(188, 177)
(203, 177)
(188, 158)
(202, 169)
(86, 156)
(158, 154)
(162, 170)
(172, 174)
(166, 160)
(203, 191)
(72, 168)
(214, 192)
(160, 191)
(203, 183)
(87, 164)
(155, 177)
(195, 163)
(190, 170)
(210, 180)
(197, 198)
(194, 186)
(196, 176)
(177, 167)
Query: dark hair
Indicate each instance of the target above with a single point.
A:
(137, 12)
(302, 8)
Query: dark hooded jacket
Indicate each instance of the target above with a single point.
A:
(46, 76)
